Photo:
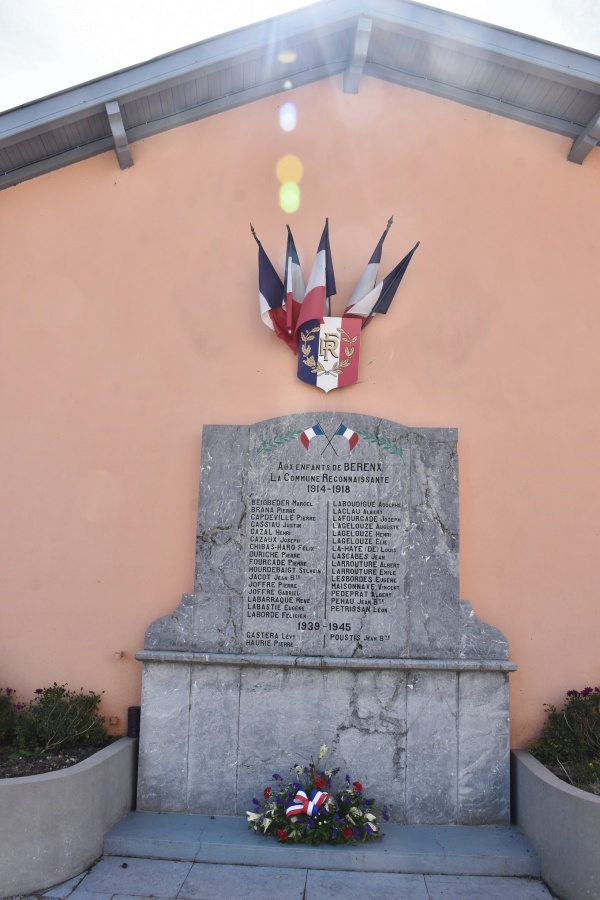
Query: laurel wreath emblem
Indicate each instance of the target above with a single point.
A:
(383, 442)
(277, 441)
(316, 366)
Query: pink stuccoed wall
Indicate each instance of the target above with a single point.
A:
(130, 318)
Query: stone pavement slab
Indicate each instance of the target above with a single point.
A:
(358, 886)
(164, 835)
(417, 849)
(65, 889)
(450, 887)
(206, 882)
(166, 880)
(136, 877)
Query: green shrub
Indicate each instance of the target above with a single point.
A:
(8, 715)
(570, 741)
(59, 718)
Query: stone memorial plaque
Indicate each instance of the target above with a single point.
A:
(327, 530)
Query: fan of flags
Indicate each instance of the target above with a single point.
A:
(286, 306)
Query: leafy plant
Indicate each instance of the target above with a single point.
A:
(308, 811)
(59, 718)
(570, 741)
(8, 715)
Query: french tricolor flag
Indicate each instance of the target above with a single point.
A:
(307, 436)
(271, 297)
(368, 278)
(351, 436)
(379, 299)
(294, 285)
(321, 285)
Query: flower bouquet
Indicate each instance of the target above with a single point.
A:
(307, 810)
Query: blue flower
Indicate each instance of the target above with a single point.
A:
(276, 777)
(255, 801)
(386, 813)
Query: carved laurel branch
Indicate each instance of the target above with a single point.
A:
(278, 440)
(346, 336)
(383, 442)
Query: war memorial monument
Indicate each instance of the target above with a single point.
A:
(326, 610)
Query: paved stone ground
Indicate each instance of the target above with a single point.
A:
(116, 878)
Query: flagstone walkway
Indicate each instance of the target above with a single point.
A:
(116, 878)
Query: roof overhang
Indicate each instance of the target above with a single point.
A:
(400, 41)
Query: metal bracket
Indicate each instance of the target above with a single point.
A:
(586, 141)
(119, 134)
(356, 66)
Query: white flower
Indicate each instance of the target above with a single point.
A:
(322, 751)
(370, 816)
(252, 816)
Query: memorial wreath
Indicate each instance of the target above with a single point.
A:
(308, 810)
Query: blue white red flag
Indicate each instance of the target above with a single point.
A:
(307, 436)
(321, 285)
(271, 297)
(351, 436)
(294, 286)
(368, 278)
(379, 299)
(329, 352)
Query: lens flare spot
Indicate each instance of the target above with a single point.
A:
(287, 116)
(287, 85)
(287, 56)
(289, 197)
(289, 168)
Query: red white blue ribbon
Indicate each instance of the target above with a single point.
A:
(302, 804)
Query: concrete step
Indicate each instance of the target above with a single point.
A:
(493, 850)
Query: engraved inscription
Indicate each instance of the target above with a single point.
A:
(325, 553)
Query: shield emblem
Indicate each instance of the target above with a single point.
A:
(328, 352)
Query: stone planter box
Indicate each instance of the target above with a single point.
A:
(52, 826)
(562, 823)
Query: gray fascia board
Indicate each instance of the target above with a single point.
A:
(529, 54)
(568, 66)
(478, 101)
(162, 72)
(51, 163)
(156, 126)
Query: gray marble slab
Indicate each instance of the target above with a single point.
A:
(164, 737)
(431, 747)
(324, 547)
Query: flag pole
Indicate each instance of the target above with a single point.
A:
(288, 304)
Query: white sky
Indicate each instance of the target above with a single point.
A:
(49, 45)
